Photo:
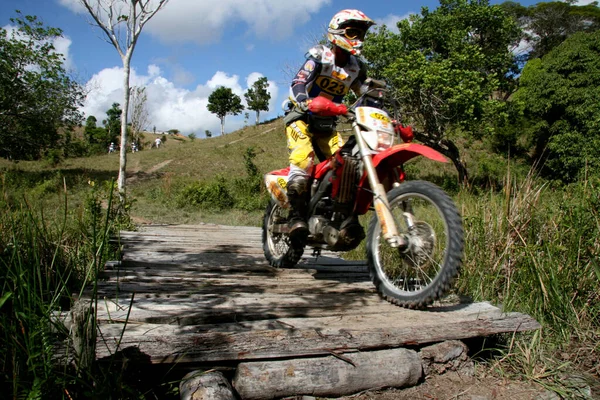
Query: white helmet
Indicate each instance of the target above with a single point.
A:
(347, 30)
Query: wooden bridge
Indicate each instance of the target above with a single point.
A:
(204, 295)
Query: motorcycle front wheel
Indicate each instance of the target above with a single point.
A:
(280, 251)
(421, 273)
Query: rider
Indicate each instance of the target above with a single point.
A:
(329, 72)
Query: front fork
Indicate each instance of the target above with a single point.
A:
(380, 201)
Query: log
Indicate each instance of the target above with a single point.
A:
(199, 385)
(334, 376)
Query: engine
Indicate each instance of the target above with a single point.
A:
(333, 222)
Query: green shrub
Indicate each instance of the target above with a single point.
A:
(54, 157)
(212, 195)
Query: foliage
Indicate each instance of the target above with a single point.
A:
(535, 250)
(73, 146)
(445, 65)
(547, 24)
(113, 124)
(560, 94)
(192, 136)
(257, 97)
(37, 97)
(247, 191)
(243, 193)
(223, 102)
(43, 262)
(213, 195)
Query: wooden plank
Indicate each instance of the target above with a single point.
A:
(209, 258)
(306, 267)
(300, 337)
(213, 308)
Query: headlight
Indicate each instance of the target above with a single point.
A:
(384, 140)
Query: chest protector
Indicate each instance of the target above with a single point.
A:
(333, 82)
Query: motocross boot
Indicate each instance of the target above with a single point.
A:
(297, 190)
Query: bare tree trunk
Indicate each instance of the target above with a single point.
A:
(222, 126)
(257, 116)
(122, 21)
(123, 153)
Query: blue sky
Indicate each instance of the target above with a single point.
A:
(193, 46)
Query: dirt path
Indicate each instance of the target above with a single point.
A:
(159, 166)
(239, 140)
(455, 386)
(138, 174)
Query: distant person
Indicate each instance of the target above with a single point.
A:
(134, 147)
(111, 148)
(157, 142)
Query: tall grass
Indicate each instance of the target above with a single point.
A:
(535, 248)
(44, 261)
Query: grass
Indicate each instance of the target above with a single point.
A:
(531, 246)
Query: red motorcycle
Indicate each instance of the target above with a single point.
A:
(414, 242)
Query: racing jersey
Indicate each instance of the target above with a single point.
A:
(320, 76)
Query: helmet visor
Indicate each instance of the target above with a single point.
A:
(354, 33)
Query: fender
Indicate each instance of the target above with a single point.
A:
(389, 159)
(401, 153)
(276, 184)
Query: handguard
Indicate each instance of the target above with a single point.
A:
(405, 132)
(326, 108)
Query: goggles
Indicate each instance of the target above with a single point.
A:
(352, 33)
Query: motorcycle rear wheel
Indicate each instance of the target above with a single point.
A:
(423, 272)
(279, 249)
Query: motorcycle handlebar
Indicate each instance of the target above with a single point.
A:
(326, 108)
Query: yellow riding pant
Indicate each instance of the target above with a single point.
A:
(300, 147)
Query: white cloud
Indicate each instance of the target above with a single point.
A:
(73, 5)
(391, 20)
(205, 21)
(61, 45)
(169, 106)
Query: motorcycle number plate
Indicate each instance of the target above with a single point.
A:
(374, 119)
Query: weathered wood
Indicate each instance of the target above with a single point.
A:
(299, 337)
(199, 385)
(328, 376)
(450, 355)
(205, 294)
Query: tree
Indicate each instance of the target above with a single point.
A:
(37, 97)
(444, 66)
(258, 97)
(97, 138)
(547, 24)
(139, 112)
(113, 122)
(122, 21)
(90, 127)
(222, 102)
(560, 94)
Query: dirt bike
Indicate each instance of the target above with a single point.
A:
(414, 242)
